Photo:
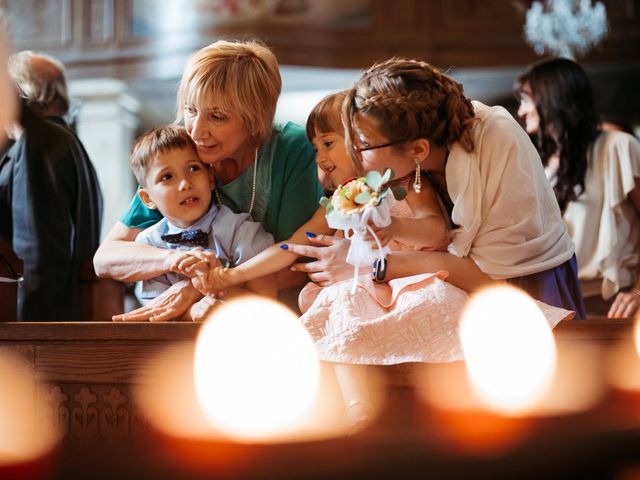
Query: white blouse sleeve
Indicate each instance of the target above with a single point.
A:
(621, 154)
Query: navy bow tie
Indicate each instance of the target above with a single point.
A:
(195, 237)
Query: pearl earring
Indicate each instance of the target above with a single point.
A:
(417, 181)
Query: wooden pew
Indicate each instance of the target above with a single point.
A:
(101, 298)
(89, 370)
(10, 275)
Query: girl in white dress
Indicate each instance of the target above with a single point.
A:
(409, 319)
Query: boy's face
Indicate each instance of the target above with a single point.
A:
(332, 157)
(179, 185)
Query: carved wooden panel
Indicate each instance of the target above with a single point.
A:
(38, 24)
(99, 22)
(88, 414)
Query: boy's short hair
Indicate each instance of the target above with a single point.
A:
(326, 115)
(157, 141)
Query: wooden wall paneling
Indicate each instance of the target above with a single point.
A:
(388, 31)
(473, 33)
(40, 24)
(99, 362)
(622, 43)
(317, 45)
(402, 31)
(133, 39)
(99, 22)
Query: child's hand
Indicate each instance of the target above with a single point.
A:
(215, 280)
(191, 263)
(200, 282)
(199, 310)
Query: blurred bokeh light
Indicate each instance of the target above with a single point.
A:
(509, 349)
(25, 434)
(256, 369)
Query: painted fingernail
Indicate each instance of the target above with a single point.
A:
(310, 234)
(284, 246)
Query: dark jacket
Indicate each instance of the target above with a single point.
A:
(50, 212)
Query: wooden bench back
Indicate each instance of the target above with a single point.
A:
(101, 297)
(10, 273)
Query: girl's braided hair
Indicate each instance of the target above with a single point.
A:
(410, 99)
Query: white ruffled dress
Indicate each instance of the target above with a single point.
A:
(410, 319)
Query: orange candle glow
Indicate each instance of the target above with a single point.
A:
(256, 369)
(509, 349)
(25, 435)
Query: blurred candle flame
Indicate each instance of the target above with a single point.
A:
(509, 349)
(256, 370)
(624, 361)
(636, 334)
(25, 434)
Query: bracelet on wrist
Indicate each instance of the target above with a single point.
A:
(379, 269)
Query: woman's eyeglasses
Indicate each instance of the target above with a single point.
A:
(373, 147)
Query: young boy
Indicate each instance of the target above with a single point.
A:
(173, 180)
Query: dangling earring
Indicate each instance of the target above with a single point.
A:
(417, 182)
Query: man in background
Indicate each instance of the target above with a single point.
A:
(7, 98)
(50, 200)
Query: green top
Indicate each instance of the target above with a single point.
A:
(287, 186)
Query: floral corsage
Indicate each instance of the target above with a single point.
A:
(357, 204)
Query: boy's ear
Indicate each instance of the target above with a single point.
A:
(146, 199)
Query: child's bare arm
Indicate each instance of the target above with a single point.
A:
(266, 286)
(269, 261)
(194, 262)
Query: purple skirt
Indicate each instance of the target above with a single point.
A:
(557, 286)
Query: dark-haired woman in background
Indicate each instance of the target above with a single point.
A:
(595, 176)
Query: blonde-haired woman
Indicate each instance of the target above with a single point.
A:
(227, 99)
(407, 115)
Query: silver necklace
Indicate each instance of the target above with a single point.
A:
(253, 188)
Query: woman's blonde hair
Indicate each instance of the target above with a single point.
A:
(326, 116)
(240, 76)
(410, 99)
